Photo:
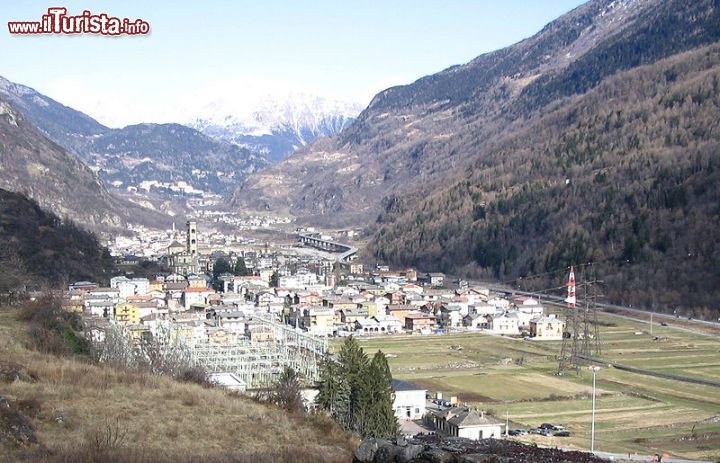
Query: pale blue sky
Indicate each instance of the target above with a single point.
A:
(341, 49)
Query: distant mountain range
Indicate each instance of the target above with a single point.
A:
(592, 140)
(153, 156)
(228, 142)
(160, 156)
(274, 125)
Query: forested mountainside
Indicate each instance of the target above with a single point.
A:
(592, 140)
(32, 164)
(39, 249)
(626, 175)
(419, 134)
(169, 153)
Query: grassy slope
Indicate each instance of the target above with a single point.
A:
(635, 413)
(157, 418)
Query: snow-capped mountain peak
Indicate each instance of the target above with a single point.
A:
(272, 123)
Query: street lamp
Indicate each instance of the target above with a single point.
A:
(594, 369)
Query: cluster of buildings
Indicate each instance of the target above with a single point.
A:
(411, 401)
(321, 297)
(307, 295)
(390, 302)
(381, 304)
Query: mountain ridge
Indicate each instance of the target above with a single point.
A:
(41, 169)
(277, 125)
(470, 170)
(402, 136)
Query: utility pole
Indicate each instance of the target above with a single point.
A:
(594, 369)
(651, 323)
(581, 325)
(507, 423)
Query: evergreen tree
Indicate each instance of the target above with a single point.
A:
(240, 269)
(334, 392)
(275, 280)
(358, 393)
(221, 266)
(381, 420)
(354, 363)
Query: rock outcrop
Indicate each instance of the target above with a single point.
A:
(435, 449)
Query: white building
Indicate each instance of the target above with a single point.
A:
(506, 323)
(409, 403)
(470, 424)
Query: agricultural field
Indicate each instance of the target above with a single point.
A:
(635, 413)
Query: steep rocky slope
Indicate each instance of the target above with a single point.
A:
(44, 171)
(41, 250)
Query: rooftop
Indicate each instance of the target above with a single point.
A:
(400, 385)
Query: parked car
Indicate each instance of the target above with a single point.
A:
(562, 434)
(517, 432)
(535, 431)
(545, 432)
(546, 426)
(559, 427)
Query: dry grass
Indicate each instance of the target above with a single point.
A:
(77, 405)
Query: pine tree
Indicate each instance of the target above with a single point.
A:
(381, 420)
(274, 280)
(358, 393)
(334, 393)
(240, 269)
(354, 363)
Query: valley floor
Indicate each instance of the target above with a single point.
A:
(635, 413)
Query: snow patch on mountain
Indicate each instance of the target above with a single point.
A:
(273, 124)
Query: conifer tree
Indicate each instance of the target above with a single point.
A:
(354, 363)
(358, 393)
(381, 420)
(334, 393)
(240, 269)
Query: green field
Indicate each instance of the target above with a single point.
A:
(635, 413)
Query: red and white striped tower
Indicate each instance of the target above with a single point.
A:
(571, 289)
(568, 352)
